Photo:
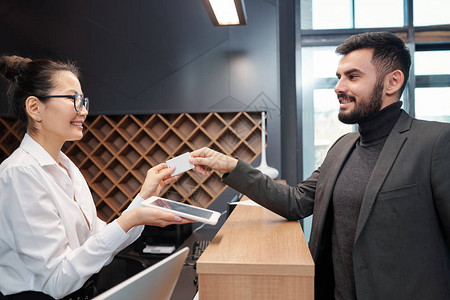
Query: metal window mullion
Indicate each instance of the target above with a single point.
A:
(411, 105)
(353, 14)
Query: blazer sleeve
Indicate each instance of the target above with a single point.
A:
(292, 203)
(440, 180)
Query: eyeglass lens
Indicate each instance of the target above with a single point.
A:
(81, 101)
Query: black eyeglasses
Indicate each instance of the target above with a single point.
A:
(78, 100)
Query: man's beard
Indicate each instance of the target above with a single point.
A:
(364, 109)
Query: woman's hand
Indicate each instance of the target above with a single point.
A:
(149, 216)
(157, 177)
(206, 159)
(157, 217)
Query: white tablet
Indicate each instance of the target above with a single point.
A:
(183, 210)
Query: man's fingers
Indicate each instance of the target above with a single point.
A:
(201, 170)
(203, 161)
(202, 152)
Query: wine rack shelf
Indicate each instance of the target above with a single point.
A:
(116, 152)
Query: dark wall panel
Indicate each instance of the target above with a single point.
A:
(154, 56)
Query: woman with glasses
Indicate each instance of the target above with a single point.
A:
(51, 240)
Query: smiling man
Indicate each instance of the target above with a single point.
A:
(381, 198)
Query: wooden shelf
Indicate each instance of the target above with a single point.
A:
(116, 152)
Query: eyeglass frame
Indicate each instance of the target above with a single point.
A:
(84, 100)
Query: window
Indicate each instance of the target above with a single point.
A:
(334, 14)
(433, 12)
(432, 62)
(380, 13)
(327, 12)
(432, 92)
(433, 104)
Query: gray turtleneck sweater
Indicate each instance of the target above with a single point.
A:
(349, 191)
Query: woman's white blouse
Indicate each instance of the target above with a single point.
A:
(46, 243)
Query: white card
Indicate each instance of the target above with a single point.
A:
(181, 163)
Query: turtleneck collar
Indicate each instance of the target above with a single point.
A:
(379, 124)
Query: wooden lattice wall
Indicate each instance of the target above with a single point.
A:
(116, 152)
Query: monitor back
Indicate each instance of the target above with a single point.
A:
(154, 283)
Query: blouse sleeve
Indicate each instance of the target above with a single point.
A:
(39, 239)
(134, 232)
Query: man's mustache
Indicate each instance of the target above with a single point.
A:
(345, 96)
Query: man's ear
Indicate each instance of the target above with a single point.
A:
(394, 82)
(32, 106)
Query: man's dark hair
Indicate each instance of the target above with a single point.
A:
(390, 52)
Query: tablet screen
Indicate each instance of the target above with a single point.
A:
(192, 210)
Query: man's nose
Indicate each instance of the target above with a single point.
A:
(340, 87)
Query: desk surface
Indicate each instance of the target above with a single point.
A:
(256, 255)
(257, 241)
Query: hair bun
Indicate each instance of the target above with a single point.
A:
(11, 66)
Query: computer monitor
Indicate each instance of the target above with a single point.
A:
(154, 283)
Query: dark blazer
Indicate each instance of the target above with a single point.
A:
(402, 243)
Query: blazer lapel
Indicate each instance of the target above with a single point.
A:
(337, 157)
(343, 151)
(384, 163)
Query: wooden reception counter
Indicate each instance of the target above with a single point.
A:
(256, 255)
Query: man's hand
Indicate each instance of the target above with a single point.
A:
(206, 160)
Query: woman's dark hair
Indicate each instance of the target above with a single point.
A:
(389, 52)
(27, 77)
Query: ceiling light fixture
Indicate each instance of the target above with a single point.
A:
(226, 12)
